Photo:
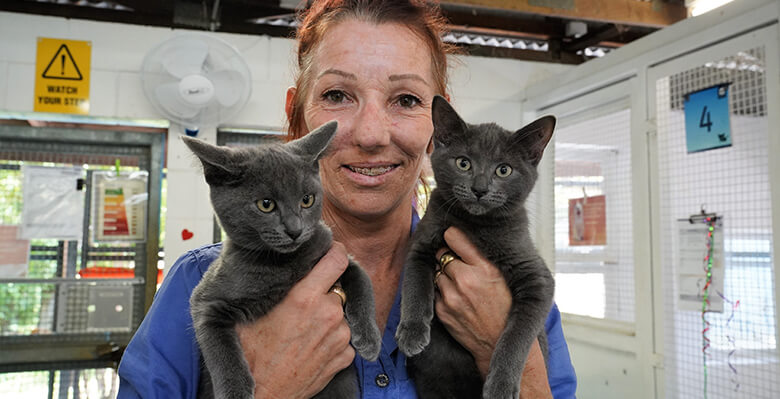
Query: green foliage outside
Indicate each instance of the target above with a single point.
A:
(91, 383)
(10, 196)
(20, 304)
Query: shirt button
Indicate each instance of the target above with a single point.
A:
(382, 380)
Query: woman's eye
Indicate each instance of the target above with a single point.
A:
(307, 201)
(408, 101)
(503, 170)
(266, 205)
(334, 96)
(463, 163)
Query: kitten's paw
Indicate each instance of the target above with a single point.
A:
(413, 337)
(495, 389)
(367, 341)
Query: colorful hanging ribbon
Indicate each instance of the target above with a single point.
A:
(711, 222)
(706, 297)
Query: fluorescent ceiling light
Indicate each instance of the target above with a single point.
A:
(701, 6)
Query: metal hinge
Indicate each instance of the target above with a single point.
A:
(657, 360)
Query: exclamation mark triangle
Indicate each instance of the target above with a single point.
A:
(62, 66)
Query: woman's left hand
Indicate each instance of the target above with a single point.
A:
(473, 303)
(473, 299)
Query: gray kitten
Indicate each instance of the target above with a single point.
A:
(483, 175)
(269, 201)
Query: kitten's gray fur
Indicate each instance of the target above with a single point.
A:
(490, 210)
(265, 254)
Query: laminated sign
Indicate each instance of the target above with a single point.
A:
(119, 203)
(53, 205)
(588, 221)
(693, 266)
(62, 76)
(707, 119)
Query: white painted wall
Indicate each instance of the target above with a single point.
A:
(482, 89)
(116, 91)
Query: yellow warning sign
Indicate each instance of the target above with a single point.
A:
(62, 76)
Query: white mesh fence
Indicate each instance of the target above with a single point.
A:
(594, 268)
(736, 357)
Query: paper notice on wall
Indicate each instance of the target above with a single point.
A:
(52, 204)
(14, 253)
(119, 203)
(692, 266)
(588, 220)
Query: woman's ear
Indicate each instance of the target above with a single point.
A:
(288, 102)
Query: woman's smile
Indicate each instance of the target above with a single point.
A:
(371, 170)
(369, 175)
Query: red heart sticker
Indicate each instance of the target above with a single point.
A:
(186, 234)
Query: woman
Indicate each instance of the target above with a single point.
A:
(374, 66)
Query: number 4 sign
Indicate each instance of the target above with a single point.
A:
(707, 121)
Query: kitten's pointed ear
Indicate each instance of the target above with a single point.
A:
(446, 122)
(533, 138)
(217, 166)
(314, 144)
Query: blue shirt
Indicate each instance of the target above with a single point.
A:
(162, 360)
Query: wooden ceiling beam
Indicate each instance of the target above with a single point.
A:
(495, 19)
(656, 13)
(475, 30)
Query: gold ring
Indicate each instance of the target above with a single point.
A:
(445, 259)
(436, 277)
(340, 292)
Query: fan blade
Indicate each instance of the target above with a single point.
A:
(186, 58)
(227, 85)
(169, 98)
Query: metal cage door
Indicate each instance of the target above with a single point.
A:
(76, 302)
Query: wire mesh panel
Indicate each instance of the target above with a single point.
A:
(238, 139)
(40, 298)
(60, 384)
(594, 268)
(70, 300)
(713, 353)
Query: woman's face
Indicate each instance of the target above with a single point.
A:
(377, 82)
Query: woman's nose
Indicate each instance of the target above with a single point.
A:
(371, 129)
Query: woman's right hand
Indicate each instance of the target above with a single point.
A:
(296, 349)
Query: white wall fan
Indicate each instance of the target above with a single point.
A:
(196, 80)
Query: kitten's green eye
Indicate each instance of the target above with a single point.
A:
(266, 205)
(504, 170)
(463, 163)
(307, 201)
